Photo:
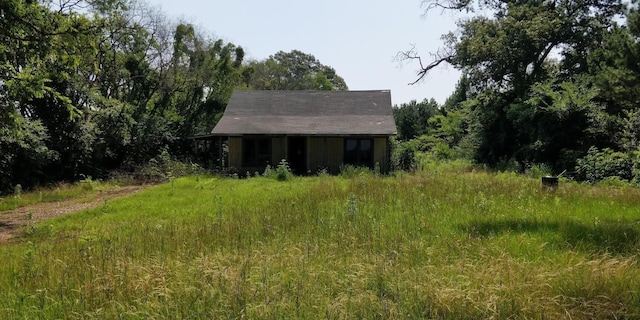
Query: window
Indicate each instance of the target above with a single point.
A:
(358, 152)
(256, 152)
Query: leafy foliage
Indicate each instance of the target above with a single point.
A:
(412, 119)
(544, 82)
(437, 131)
(283, 171)
(293, 70)
(600, 164)
(84, 92)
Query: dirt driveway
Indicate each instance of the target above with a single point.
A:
(12, 221)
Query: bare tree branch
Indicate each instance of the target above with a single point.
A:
(460, 5)
(67, 6)
(412, 55)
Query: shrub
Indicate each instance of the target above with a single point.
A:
(442, 151)
(268, 172)
(17, 190)
(403, 155)
(163, 168)
(598, 165)
(283, 171)
(636, 169)
(539, 170)
(613, 181)
(350, 171)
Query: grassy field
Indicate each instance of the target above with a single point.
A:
(436, 244)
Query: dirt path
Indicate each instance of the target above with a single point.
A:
(12, 221)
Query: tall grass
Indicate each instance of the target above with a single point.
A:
(436, 244)
(58, 192)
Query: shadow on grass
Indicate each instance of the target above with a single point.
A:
(603, 236)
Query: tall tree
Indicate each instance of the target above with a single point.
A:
(41, 47)
(294, 70)
(86, 91)
(412, 119)
(508, 56)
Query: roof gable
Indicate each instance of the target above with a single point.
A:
(308, 113)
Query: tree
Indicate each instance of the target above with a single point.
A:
(83, 93)
(41, 51)
(294, 70)
(508, 56)
(412, 119)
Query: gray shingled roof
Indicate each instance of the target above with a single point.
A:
(308, 113)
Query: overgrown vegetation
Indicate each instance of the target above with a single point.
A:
(444, 243)
(89, 88)
(534, 93)
(59, 192)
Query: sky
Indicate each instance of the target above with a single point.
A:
(358, 38)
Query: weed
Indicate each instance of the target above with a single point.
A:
(52, 194)
(17, 191)
(268, 172)
(376, 169)
(350, 171)
(351, 208)
(283, 171)
(539, 170)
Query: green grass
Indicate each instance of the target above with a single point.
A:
(52, 194)
(437, 244)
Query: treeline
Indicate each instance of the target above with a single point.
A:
(439, 132)
(546, 83)
(82, 94)
(88, 87)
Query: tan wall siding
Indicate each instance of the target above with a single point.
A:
(235, 152)
(325, 153)
(317, 154)
(380, 153)
(278, 150)
(335, 154)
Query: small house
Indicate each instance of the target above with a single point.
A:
(312, 130)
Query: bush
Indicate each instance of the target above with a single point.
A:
(403, 155)
(350, 171)
(598, 165)
(539, 170)
(410, 155)
(442, 151)
(163, 168)
(636, 169)
(268, 172)
(613, 181)
(283, 171)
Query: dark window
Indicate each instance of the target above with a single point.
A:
(358, 152)
(256, 152)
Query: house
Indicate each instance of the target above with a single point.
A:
(312, 130)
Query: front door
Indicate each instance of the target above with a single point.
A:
(297, 154)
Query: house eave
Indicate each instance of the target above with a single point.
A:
(337, 135)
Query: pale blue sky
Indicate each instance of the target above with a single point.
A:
(358, 38)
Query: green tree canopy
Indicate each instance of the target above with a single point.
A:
(294, 70)
(412, 119)
(530, 68)
(110, 86)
